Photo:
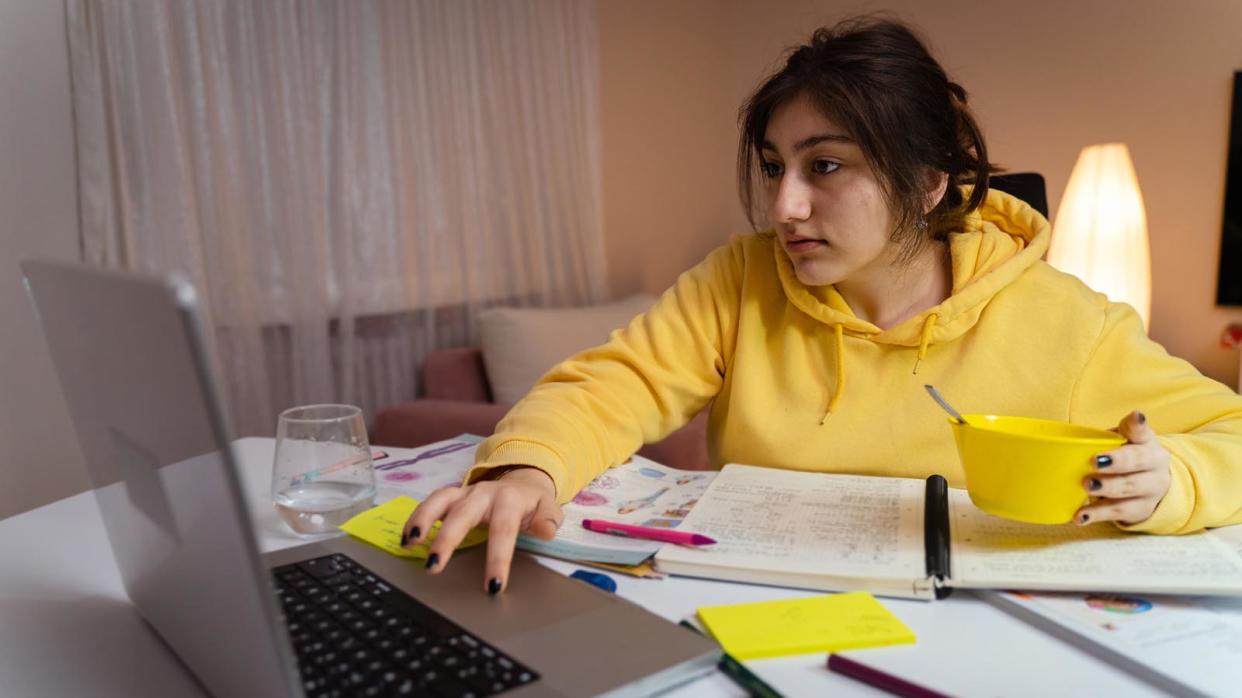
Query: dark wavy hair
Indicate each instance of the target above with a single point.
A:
(878, 81)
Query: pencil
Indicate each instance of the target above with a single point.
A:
(879, 679)
(738, 672)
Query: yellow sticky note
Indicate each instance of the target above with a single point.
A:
(381, 526)
(799, 626)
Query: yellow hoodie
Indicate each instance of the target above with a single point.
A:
(799, 382)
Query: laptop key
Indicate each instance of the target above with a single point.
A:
(358, 635)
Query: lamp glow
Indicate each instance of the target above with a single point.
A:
(1100, 234)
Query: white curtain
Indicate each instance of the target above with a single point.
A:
(347, 183)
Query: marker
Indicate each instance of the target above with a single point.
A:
(661, 534)
(738, 672)
(879, 679)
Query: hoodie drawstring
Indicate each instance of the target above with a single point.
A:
(840, 389)
(924, 340)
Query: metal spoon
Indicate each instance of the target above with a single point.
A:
(931, 390)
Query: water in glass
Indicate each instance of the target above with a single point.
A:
(322, 474)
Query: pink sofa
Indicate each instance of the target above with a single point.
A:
(459, 400)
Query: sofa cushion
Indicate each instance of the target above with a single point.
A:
(521, 344)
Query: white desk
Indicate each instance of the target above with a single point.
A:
(67, 628)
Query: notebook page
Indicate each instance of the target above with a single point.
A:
(809, 523)
(992, 552)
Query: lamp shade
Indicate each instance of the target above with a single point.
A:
(1100, 234)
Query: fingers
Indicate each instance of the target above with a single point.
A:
(1143, 452)
(546, 519)
(507, 507)
(430, 511)
(1125, 511)
(464, 514)
(1136, 429)
(507, 514)
(1129, 481)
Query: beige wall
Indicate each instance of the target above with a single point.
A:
(1045, 78)
(667, 113)
(39, 460)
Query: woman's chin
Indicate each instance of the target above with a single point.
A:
(811, 274)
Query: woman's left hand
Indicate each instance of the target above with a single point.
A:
(1130, 480)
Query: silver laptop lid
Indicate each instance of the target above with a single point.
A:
(129, 355)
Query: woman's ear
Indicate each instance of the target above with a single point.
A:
(937, 184)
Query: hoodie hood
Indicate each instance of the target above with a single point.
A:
(1000, 240)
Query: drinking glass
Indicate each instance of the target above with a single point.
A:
(322, 474)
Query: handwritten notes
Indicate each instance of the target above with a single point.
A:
(808, 523)
(991, 552)
(801, 626)
(381, 526)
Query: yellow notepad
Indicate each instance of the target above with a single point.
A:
(381, 526)
(799, 626)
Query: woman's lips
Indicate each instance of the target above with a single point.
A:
(803, 244)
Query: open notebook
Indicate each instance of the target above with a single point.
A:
(909, 538)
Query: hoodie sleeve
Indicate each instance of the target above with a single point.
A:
(595, 409)
(1196, 418)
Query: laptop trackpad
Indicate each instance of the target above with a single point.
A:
(536, 596)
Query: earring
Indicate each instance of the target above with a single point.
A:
(921, 225)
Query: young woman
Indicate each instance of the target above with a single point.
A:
(888, 264)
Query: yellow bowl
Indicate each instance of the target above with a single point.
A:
(1028, 469)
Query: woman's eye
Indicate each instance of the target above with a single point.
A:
(823, 167)
(771, 169)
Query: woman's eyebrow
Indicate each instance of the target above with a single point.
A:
(811, 141)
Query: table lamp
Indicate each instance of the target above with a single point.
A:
(1100, 234)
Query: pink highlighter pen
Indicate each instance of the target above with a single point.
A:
(661, 534)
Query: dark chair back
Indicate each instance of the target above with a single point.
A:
(1028, 186)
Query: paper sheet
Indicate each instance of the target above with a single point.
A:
(381, 526)
(1195, 641)
(800, 626)
(640, 492)
(809, 523)
(991, 552)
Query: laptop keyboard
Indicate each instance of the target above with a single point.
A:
(356, 635)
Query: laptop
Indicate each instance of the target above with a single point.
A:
(328, 618)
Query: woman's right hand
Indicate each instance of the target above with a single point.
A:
(522, 500)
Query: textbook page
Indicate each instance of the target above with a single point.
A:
(990, 552)
(1187, 645)
(640, 492)
(812, 530)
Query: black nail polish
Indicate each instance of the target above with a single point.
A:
(415, 534)
(432, 560)
(1083, 518)
(493, 586)
(405, 538)
(1103, 461)
(1094, 484)
(1142, 418)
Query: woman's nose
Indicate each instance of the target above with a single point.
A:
(791, 200)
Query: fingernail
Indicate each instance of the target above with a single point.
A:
(415, 534)
(1103, 461)
(1142, 418)
(1083, 518)
(493, 586)
(405, 538)
(432, 560)
(1094, 484)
